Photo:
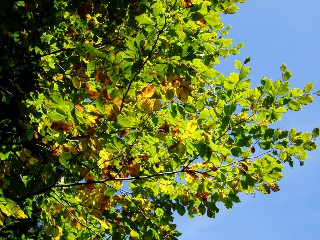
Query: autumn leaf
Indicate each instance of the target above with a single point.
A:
(60, 126)
(164, 128)
(106, 95)
(187, 3)
(101, 78)
(134, 169)
(147, 92)
(79, 107)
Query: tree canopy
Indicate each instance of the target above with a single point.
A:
(114, 117)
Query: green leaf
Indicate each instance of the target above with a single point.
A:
(286, 75)
(294, 105)
(144, 19)
(190, 108)
(237, 64)
(236, 151)
(109, 192)
(244, 72)
(265, 145)
(181, 209)
(248, 59)
(292, 134)
(305, 99)
(125, 121)
(308, 88)
(315, 133)
(283, 68)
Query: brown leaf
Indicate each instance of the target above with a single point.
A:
(134, 169)
(106, 95)
(60, 126)
(76, 66)
(164, 128)
(124, 132)
(101, 78)
(143, 156)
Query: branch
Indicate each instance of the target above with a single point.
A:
(120, 179)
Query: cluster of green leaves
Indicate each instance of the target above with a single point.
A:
(127, 120)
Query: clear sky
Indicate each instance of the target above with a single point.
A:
(275, 32)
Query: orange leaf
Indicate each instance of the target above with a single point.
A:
(93, 94)
(148, 91)
(79, 107)
(89, 177)
(175, 130)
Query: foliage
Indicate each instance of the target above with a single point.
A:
(113, 117)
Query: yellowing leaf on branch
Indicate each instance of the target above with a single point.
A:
(147, 106)
(117, 101)
(16, 210)
(76, 83)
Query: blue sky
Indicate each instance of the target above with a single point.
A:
(275, 32)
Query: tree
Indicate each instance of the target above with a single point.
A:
(113, 117)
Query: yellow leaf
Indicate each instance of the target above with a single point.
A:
(2, 218)
(16, 211)
(104, 223)
(107, 108)
(57, 232)
(4, 210)
(105, 155)
(56, 208)
(76, 83)
(58, 77)
(117, 101)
